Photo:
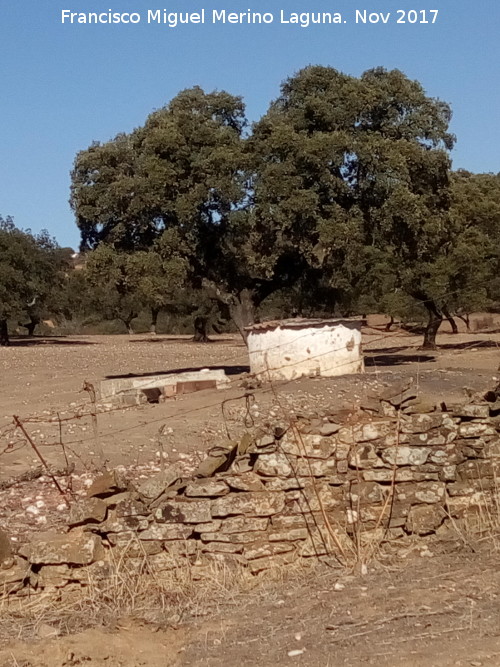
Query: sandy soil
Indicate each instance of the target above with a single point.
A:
(42, 382)
(429, 610)
(436, 607)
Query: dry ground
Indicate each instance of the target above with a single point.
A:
(420, 610)
(43, 378)
(433, 608)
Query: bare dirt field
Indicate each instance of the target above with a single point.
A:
(435, 606)
(42, 378)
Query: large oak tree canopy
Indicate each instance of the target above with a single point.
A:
(342, 184)
(180, 170)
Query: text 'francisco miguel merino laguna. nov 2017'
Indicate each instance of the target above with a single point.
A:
(249, 17)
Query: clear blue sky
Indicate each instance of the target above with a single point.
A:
(64, 86)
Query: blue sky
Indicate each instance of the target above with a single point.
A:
(64, 86)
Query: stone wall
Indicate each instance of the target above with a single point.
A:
(327, 484)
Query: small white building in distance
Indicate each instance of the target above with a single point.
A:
(289, 349)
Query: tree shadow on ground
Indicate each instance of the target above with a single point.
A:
(397, 359)
(469, 344)
(229, 370)
(189, 341)
(30, 341)
(388, 350)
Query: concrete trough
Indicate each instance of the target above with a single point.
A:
(289, 349)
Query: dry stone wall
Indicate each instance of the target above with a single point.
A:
(324, 485)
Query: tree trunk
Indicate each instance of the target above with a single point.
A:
(466, 320)
(242, 309)
(433, 324)
(31, 326)
(4, 333)
(154, 320)
(389, 324)
(201, 330)
(453, 324)
(128, 322)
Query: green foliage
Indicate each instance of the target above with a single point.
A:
(351, 175)
(475, 259)
(341, 198)
(179, 171)
(162, 271)
(115, 280)
(124, 283)
(31, 271)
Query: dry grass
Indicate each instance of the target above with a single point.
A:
(142, 589)
(481, 520)
(477, 523)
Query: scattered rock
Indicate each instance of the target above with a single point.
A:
(153, 487)
(5, 547)
(45, 631)
(166, 531)
(424, 519)
(273, 465)
(329, 429)
(265, 503)
(403, 456)
(107, 484)
(195, 511)
(207, 488)
(54, 549)
(295, 652)
(91, 510)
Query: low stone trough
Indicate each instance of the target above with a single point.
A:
(154, 388)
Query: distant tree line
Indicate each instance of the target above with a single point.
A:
(31, 275)
(339, 200)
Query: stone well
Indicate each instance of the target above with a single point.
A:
(289, 349)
